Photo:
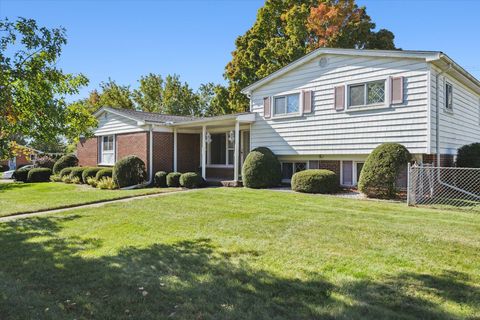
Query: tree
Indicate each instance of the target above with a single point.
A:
(33, 88)
(55, 145)
(178, 98)
(148, 97)
(286, 30)
(213, 100)
(115, 96)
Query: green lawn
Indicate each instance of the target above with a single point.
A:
(242, 254)
(28, 197)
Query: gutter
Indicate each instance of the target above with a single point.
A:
(150, 165)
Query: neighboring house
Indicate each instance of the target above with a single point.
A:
(25, 155)
(329, 109)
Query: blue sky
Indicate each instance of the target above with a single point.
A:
(126, 39)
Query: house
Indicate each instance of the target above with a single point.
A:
(24, 156)
(329, 109)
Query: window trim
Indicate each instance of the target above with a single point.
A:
(113, 152)
(287, 114)
(447, 108)
(354, 172)
(366, 105)
(227, 149)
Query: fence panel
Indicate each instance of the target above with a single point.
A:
(444, 186)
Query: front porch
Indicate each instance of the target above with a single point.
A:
(223, 144)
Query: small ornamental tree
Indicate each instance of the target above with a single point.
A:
(261, 169)
(381, 170)
(129, 171)
(468, 156)
(67, 161)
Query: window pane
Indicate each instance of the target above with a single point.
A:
(292, 103)
(347, 173)
(107, 143)
(287, 170)
(280, 105)
(107, 158)
(357, 95)
(300, 166)
(359, 170)
(376, 92)
(231, 156)
(217, 149)
(449, 96)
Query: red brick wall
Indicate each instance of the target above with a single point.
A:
(162, 151)
(188, 152)
(332, 165)
(132, 144)
(446, 160)
(87, 152)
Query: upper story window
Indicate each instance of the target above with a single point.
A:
(108, 150)
(289, 104)
(366, 93)
(448, 96)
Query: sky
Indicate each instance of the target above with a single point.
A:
(126, 39)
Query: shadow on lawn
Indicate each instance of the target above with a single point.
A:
(46, 278)
(6, 186)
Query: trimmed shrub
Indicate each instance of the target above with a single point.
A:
(191, 180)
(45, 162)
(55, 178)
(261, 169)
(160, 179)
(468, 156)
(89, 172)
(129, 171)
(106, 183)
(91, 181)
(65, 172)
(173, 179)
(77, 172)
(69, 160)
(4, 167)
(381, 169)
(39, 175)
(21, 174)
(315, 181)
(103, 173)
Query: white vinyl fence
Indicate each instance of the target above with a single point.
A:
(443, 186)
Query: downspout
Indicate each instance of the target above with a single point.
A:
(150, 164)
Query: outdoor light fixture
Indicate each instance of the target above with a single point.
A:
(208, 138)
(231, 136)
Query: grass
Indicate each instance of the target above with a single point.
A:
(242, 254)
(29, 197)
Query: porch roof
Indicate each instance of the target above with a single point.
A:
(223, 120)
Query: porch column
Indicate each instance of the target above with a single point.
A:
(236, 151)
(175, 149)
(204, 152)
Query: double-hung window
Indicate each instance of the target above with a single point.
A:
(365, 94)
(221, 150)
(288, 104)
(108, 150)
(448, 96)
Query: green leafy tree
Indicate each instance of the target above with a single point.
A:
(33, 88)
(115, 96)
(55, 145)
(148, 97)
(286, 30)
(213, 100)
(178, 98)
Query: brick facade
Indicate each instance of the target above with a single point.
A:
(162, 151)
(87, 152)
(132, 144)
(188, 152)
(332, 165)
(446, 160)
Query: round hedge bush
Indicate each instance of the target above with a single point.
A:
(468, 156)
(191, 180)
(21, 174)
(173, 179)
(39, 175)
(104, 173)
(45, 162)
(89, 172)
(381, 170)
(315, 181)
(77, 172)
(160, 179)
(65, 172)
(69, 160)
(261, 169)
(129, 171)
